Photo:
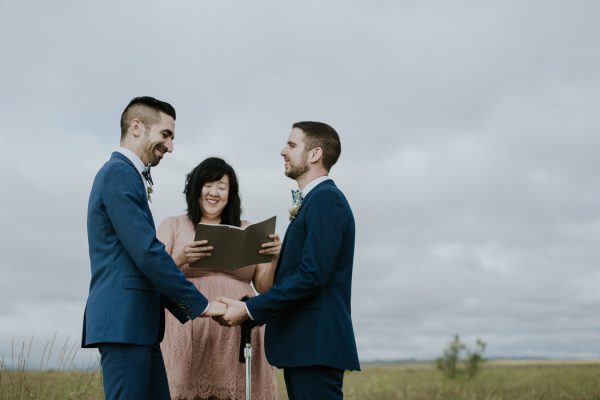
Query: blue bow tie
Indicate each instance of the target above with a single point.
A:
(296, 196)
(147, 176)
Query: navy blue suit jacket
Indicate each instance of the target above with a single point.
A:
(307, 311)
(133, 277)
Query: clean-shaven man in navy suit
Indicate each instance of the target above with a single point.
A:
(307, 311)
(133, 277)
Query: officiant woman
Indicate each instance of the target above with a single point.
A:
(201, 357)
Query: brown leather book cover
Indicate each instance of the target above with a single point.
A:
(234, 247)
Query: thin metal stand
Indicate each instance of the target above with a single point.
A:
(248, 357)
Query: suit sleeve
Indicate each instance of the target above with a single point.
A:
(327, 220)
(166, 234)
(125, 205)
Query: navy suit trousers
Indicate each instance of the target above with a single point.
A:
(314, 382)
(131, 372)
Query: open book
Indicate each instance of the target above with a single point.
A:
(234, 247)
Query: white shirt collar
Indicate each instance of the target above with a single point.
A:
(311, 185)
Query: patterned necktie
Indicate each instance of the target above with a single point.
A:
(296, 197)
(147, 176)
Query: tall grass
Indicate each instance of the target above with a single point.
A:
(55, 379)
(421, 381)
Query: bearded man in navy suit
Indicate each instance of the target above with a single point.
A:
(307, 311)
(133, 277)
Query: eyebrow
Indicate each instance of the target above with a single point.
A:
(169, 132)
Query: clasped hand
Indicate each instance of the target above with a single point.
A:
(227, 312)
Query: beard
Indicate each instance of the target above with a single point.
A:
(151, 148)
(297, 171)
(150, 151)
(153, 159)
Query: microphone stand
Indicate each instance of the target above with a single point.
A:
(246, 352)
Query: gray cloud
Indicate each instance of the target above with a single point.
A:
(469, 137)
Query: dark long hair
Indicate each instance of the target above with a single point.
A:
(210, 170)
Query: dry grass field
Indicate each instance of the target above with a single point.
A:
(498, 380)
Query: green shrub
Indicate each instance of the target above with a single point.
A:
(459, 360)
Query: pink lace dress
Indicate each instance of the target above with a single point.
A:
(201, 357)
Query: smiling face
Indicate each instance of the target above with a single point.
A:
(158, 139)
(295, 155)
(214, 197)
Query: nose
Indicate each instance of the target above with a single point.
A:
(169, 145)
(284, 151)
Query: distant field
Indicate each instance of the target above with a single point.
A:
(498, 380)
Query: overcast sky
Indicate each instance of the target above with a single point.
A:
(470, 139)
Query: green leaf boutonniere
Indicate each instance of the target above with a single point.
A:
(296, 203)
(295, 210)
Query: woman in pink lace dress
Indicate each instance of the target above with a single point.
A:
(202, 357)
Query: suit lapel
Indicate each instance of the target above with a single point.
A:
(122, 157)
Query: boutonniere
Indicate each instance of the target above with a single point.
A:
(296, 203)
(149, 191)
(148, 177)
(295, 210)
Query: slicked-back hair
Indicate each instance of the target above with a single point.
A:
(319, 134)
(146, 109)
(210, 170)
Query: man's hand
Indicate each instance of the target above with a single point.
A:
(235, 314)
(215, 309)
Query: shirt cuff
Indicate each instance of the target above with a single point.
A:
(205, 310)
(248, 312)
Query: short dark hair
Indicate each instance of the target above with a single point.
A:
(146, 109)
(319, 134)
(210, 170)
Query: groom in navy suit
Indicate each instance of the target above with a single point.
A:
(307, 311)
(133, 277)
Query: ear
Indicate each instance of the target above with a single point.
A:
(315, 154)
(137, 127)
